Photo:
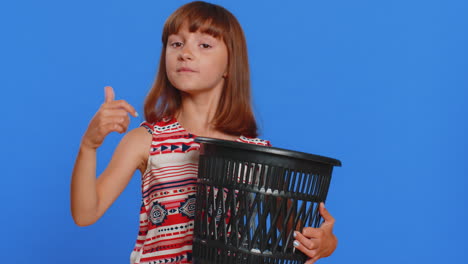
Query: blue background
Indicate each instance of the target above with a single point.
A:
(380, 85)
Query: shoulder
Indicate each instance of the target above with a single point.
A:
(162, 126)
(132, 150)
(137, 137)
(256, 141)
(136, 145)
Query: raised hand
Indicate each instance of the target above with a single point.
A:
(111, 116)
(319, 242)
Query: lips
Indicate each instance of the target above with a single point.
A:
(185, 69)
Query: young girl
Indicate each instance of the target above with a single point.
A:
(202, 89)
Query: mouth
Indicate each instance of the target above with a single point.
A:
(185, 69)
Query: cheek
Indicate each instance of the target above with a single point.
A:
(170, 66)
(169, 62)
(225, 61)
(221, 64)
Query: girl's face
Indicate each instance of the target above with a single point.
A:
(196, 62)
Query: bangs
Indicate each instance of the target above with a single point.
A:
(198, 17)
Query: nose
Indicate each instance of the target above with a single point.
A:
(185, 53)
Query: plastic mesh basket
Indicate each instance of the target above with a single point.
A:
(251, 198)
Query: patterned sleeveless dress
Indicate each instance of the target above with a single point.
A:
(168, 195)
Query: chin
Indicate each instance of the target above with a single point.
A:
(192, 89)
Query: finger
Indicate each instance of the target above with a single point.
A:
(311, 261)
(122, 120)
(114, 127)
(310, 232)
(326, 215)
(304, 241)
(111, 113)
(126, 122)
(124, 105)
(303, 249)
(108, 94)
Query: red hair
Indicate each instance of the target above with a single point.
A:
(234, 115)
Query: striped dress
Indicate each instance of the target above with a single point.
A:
(168, 195)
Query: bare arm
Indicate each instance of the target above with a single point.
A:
(91, 197)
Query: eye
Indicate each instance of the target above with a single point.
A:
(205, 46)
(176, 44)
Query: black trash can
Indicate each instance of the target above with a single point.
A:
(251, 198)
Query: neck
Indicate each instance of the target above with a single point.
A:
(197, 112)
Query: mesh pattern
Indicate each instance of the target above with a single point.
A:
(247, 211)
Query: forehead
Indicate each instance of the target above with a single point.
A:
(195, 24)
(200, 28)
(184, 32)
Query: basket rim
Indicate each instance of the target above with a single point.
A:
(270, 150)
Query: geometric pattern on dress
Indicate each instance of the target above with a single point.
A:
(187, 207)
(255, 141)
(147, 126)
(158, 214)
(174, 148)
(176, 259)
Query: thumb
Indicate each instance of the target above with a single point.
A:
(326, 215)
(108, 94)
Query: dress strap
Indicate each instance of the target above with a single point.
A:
(149, 127)
(256, 141)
